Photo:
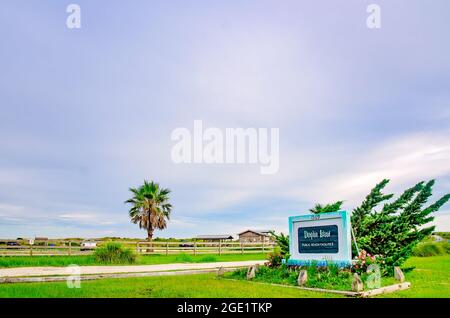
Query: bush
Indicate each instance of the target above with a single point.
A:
(279, 275)
(329, 277)
(274, 259)
(282, 242)
(446, 246)
(114, 253)
(362, 262)
(431, 249)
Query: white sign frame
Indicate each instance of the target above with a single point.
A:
(342, 257)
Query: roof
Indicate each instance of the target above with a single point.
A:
(259, 232)
(215, 237)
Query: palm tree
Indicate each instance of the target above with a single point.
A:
(331, 207)
(150, 207)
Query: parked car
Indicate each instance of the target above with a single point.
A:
(87, 246)
(187, 245)
(12, 243)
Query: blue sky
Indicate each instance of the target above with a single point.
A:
(87, 113)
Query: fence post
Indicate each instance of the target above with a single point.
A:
(220, 247)
(242, 249)
(31, 249)
(137, 248)
(167, 248)
(70, 248)
(263, 246)
(195, 247)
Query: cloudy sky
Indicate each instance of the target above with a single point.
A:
(87, 113)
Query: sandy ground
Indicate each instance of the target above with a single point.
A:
(89, 270)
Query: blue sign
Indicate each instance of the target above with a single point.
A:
(318, 239)
(322, 238)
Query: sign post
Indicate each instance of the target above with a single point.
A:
(322, 238)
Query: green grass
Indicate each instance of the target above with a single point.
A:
(189, 286)
(431, 278)
(22, 261)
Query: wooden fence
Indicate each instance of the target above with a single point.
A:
(194, 248)
(69, 248)
(203, 248)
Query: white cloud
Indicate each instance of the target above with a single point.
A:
(93, 218)
(442, 221)
(405, 160)
(78, 216)
(6, 208)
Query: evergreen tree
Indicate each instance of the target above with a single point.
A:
(360, 219)
(395, 230)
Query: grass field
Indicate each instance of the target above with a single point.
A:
(190, 286)
(431, 278)
(21, 261)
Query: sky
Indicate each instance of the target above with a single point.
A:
(87, 113)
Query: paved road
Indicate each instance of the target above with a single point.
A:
(88, 270)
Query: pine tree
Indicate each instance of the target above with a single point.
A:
(393, 232)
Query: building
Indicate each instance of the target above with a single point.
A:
(250, 236)
(214, 238)
(40, 241)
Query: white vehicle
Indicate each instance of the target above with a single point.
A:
(86, 246)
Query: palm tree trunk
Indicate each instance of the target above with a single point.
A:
(150, 238)
(150, 233)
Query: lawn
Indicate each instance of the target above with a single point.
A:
(189, 286)
(431, 278)
(21, 261)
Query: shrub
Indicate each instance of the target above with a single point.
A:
(274, 259)
(239, 273)
(282, 242)
(446, 246)
(363, 261)
(114, 253)
(431, 249)
(330, 277)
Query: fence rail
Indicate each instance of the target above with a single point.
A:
(203, 247)
(144, 248)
